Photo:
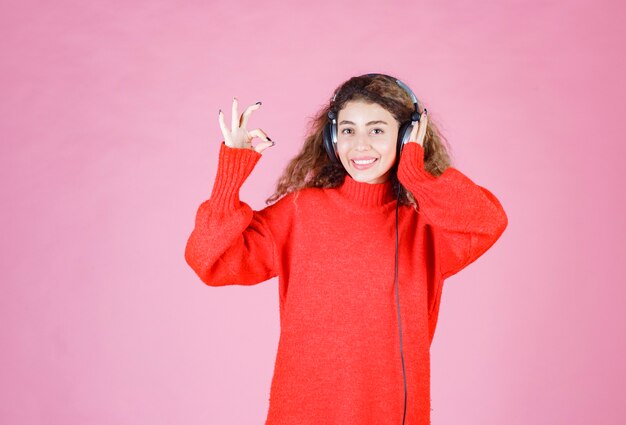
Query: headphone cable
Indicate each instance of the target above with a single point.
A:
(398, 304)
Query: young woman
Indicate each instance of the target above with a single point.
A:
(366, 223)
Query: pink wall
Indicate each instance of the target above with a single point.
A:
(108, 120)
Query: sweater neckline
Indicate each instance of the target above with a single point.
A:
(367, 195)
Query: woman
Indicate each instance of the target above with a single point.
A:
(368, 220)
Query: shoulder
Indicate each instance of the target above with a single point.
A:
(299, 201)
(290, 200)
(293, 211)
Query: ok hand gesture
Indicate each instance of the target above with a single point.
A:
(239, 137)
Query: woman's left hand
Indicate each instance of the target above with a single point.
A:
(418, 134)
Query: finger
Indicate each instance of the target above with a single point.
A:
(421, 133)
(223, 127)
(267, 142)
(262, 146)
(234, 119)
(257, 132)
(246, 114)
(413, 134)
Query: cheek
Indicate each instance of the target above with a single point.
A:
(390, 149)
(342, 154)
(342, 149)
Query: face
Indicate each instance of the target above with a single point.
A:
(366, 141)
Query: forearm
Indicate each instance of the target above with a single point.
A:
(229, 243)
(468, 216)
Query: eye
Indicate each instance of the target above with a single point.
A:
(378, 129)
(344, 130)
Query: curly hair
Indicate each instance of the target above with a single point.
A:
(313, 168)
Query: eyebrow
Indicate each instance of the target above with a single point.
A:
(369, 123)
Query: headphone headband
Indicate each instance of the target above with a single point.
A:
(400, 83)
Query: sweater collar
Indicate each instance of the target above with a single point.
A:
(367, 195)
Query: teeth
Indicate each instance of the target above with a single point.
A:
(363, 162)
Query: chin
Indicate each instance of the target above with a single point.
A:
(364, 178)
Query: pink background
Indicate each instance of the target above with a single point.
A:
(109, 127)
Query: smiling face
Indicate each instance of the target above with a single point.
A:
(366, 141)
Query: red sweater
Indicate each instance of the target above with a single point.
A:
(333, 250)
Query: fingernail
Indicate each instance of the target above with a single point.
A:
(273, 143)
(268, 138)
(426, 111)
(220, 112)
(258, 103)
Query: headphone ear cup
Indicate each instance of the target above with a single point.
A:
(403, 136)
(328, 142)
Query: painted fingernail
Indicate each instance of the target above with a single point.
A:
(268, 138)
(273, 143)
(426, 111)
(258, 103)
(220, 112)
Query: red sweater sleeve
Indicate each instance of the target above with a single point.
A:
(231, 244)
(466, 218)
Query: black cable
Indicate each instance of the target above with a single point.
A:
(399, 317)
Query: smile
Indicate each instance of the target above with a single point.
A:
(362, 164)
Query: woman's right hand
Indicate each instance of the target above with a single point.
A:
(239, 137)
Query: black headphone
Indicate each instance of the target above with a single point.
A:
(329, 135)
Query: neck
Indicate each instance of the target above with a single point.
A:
(367, 195)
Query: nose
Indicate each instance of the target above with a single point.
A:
(361, 143)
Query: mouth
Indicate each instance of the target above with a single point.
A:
(363, 164)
